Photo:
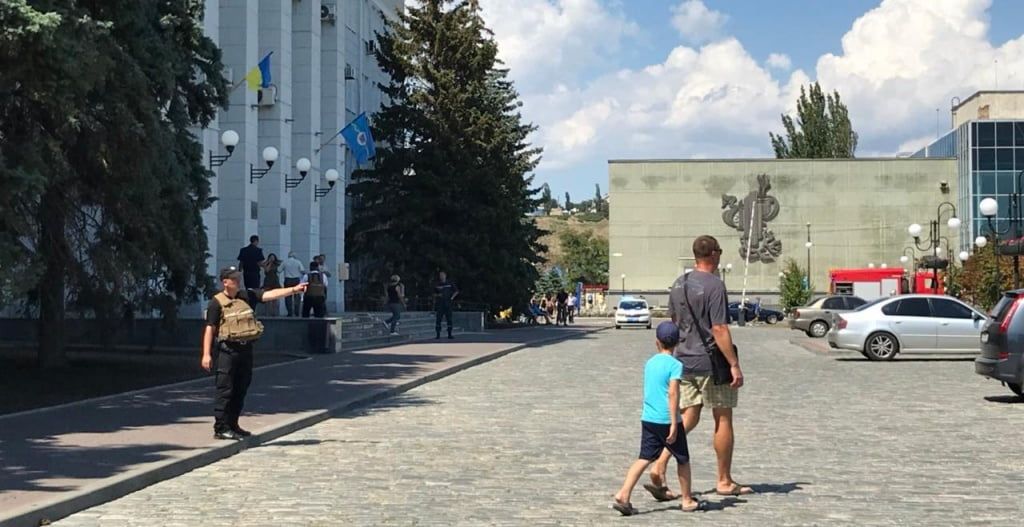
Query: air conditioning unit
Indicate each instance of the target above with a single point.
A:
(349, 73)
(266, 96)
(329, 13)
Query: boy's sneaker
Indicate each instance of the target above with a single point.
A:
(394, 333)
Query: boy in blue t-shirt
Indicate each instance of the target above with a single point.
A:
(661, 428)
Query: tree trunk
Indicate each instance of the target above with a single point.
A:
(53, 249)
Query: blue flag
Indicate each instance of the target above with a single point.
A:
(359, 139)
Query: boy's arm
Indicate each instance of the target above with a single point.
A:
(673, 401)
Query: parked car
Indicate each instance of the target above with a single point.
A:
(815, 318)
(753, 311)
(1002, 343)
(632, 312)
(889, 326)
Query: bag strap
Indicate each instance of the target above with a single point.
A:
(222, 299)
(700, 330)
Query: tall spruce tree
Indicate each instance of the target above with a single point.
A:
(98, 102)
(450, 188)
(822, 128)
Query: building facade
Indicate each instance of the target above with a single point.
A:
(854, 211)
(324, 74)
(988, 141)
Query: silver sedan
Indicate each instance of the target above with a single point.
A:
(888, 326)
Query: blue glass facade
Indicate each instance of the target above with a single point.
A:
(989, 155)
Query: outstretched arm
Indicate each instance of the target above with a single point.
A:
(282, 292)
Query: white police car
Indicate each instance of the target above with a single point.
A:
(632, 312)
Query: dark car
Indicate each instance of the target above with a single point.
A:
(753, 311)
(1002, 343)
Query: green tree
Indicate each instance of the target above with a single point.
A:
(568, 202)
(98, 106)
(585, 257)
(822, 128)
(550, 283)
(794, 290)
(454, 118)
(545, 198)
(598, 198)
(984, 277)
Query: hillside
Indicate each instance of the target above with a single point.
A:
(557, 225)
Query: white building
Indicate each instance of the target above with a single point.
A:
(323, 75)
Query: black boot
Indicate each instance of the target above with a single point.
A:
(228, 434)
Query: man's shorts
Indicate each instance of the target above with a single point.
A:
(702, 390)
(654, 438)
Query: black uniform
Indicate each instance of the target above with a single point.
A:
(444, 292)
(562, 301)
(232, 367)
(250, 257)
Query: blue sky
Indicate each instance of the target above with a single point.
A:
(690, 78)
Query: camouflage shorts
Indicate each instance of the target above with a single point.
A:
(701, 390)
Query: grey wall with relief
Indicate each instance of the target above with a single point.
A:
(859, 210)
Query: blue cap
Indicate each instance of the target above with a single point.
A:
(668, 334)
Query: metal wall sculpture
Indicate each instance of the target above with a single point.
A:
(750, 216)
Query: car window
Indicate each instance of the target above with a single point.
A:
(1000, 309)
(833, 303)
(945, 308)
(632, 305)
(876, 301)
(909, 307)
(853, 302)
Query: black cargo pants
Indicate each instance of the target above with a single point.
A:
(233, 377)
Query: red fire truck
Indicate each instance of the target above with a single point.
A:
(872, 283)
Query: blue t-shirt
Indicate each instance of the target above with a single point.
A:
(659, 370)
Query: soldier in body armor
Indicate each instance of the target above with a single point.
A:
(232, 329)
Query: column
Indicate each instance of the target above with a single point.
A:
(305, 223)
(237, 198)
(332, 118)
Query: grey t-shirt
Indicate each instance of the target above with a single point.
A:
(708, 299)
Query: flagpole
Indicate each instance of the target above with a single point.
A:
(329, 141)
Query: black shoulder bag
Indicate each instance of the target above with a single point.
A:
(721, 372)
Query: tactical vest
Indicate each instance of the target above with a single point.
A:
(237, 320)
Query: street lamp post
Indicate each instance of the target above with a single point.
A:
(230, 140)
(623, 277)
(808, 245)
(990, 208)
(269, 157)
(933, 238)
(912, 260)
(726, 270)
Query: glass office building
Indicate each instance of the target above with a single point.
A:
(990, 154)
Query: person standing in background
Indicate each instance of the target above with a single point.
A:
(396, 302)
(250, 258)
(292, 271)
(444, 294)
(271, 280)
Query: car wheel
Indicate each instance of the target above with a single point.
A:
(648, 326)
(881, 346)
(771, 319)
(1017, 388)
(618, 327)
(818, 329)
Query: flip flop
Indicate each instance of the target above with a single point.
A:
(700, 506)
(660, 493)
(736, 490)
(625, 509)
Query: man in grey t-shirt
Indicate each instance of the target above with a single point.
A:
(703, 323)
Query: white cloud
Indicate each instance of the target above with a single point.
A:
(779, 61)
(544, 42)
(696, 23)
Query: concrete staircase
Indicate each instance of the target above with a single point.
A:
(367, 330)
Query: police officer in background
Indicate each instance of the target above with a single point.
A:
(444, 294)
(231, 322)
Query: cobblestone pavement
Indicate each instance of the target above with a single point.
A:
(544, 436)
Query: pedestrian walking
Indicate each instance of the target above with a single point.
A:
(325, 273)
(250, 260)
(444, 295)
(660, 429)
(572, 305)
(315, 298)
(292, 269)
(271, 280)
(396, 302)
(698, 305)
(228, 339)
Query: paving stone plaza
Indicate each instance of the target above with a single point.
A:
(543, 437)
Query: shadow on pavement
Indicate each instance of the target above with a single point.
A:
(1005, 399)
(712, 506)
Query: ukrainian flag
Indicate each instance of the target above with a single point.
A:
(259, 77)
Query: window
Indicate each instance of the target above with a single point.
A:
(1004, 159)
(284, 216)
(1018, 132)
(986, 158)
(853, 302)
(632, 305)
(254, 210)
(908, 307)
(949, 309)
(833, 303)
(1005, 182)
(986, 183)
(1004, 134)
(986, 134)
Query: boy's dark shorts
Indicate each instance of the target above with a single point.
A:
(654, 437)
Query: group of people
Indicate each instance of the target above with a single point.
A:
(266, 274)
(696, 365)
(563, 306)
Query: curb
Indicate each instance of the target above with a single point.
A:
(42, 514)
